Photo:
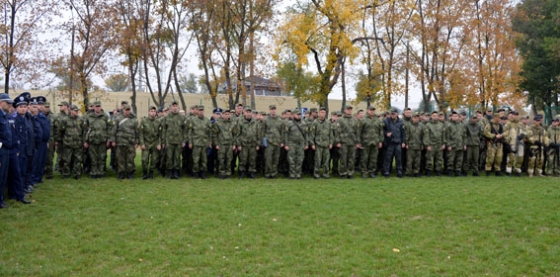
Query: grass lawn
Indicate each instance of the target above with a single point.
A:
(439, 226)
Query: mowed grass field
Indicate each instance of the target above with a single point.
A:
(439, 226)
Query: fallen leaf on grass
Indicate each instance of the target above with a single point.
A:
(274, 219)
(396, 250)
(140, 260)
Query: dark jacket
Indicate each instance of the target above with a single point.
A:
(396, 128)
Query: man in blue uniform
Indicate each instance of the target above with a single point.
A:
(5, 144)
(42, 142)
(18, 153)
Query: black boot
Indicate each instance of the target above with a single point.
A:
(176, 175)
(438, 173)
(428, 173)
(121, 176)
(252, 175)
(151, 174)
(202, 175)
(144, 174)
(241, 174)
(458, 173)
(130, 175)
(449, 173)
(487, 173)
(498, 173)
(170, 174)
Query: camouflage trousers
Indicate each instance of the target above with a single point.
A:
(271, 158)
(347, 158)
(173, 156)
(494, 156)
(200, 159)
(225, 155)
(553, 162)
(473, 156)
(295, 160)
(322, 159)
(455, 159)
(125, 158)
(150, 156)
(368, 161)
(536, 161)
(71, 159)
(98, 157)
(50, 157)
(335, 159)
(515, 160)
(413, 161)
(434, 158)
(248, 158)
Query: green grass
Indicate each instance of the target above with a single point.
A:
(486, 226)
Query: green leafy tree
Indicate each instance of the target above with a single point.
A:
(117, 82)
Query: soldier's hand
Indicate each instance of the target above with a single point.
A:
(338, 145)
(407, 147)
(464, 148)
(190, 146)
(281, 145)
(56, 144)
(404, 146)
(498, 136)
(429, 148)
(218, 147)
(305, 147)
(162, 145)
(358, 146)
(449, 148)
(239, 148)
(443, 147)
(389, 134)
(86, 145)
(380, 145)
(107, 144)
(258, 148)
(330, 146)
(114, 144)
(143, 147)
(287, 148)
(313, 147)
(158, 147)
(233, 147)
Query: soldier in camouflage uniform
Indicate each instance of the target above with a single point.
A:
(173, 137)
(124, 137)
(223, 137)
(514, 134)
(283, 166)
(199, 133)
(64, 111)
(321, 141)
(71, 130)
(272, 130)
(473, 140)
(371, 137)
(538, 138)
(248, 140)
(455, 142)
(433, 139)
(50, 152)
(296, 140)
(335, 151)
(493, 132)
(414, 146)
(553, 157)
(98, 128)
(347, 141)
(309, 158)
(150, 143)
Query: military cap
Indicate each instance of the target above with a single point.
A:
(474, 116)
(74, 108)
(217, 110)
(556, 120)
(272, 107)
(126, 107)
(124, 102)
(333, 113)
(239, 104)
(97, 103)
(394, 111)
(514, 112)
(525, 117)
(296, 111)
(496, 114)
(174, 102)
(160, 110)
(64, 103)
(20, 100)
(33, 101)
(479, 112)
(537, 118)
(349, 107)
(338, 113)
(313, 110)
(557, 116)
(463, 113)
(322, 108)
(454, 112)
(503, 118)
(262, 113)
(227, 111)
(501, 110)
(416, 114)
(434, 112)
(371, 108)
(192, 107)
(41, 99)
(47, 104)
(201, 107)
(232, 111)
(248, 109)
(287, 111)
(153, 108)
(26, 95)
(489, 110)
(255, 112)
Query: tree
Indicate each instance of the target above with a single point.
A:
(297, 82)
(23, 21)
(117, 82)
(538, 42)
(95, 37)
(189, 83)
(326, 31)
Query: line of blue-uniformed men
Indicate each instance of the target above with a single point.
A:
(290, 143)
